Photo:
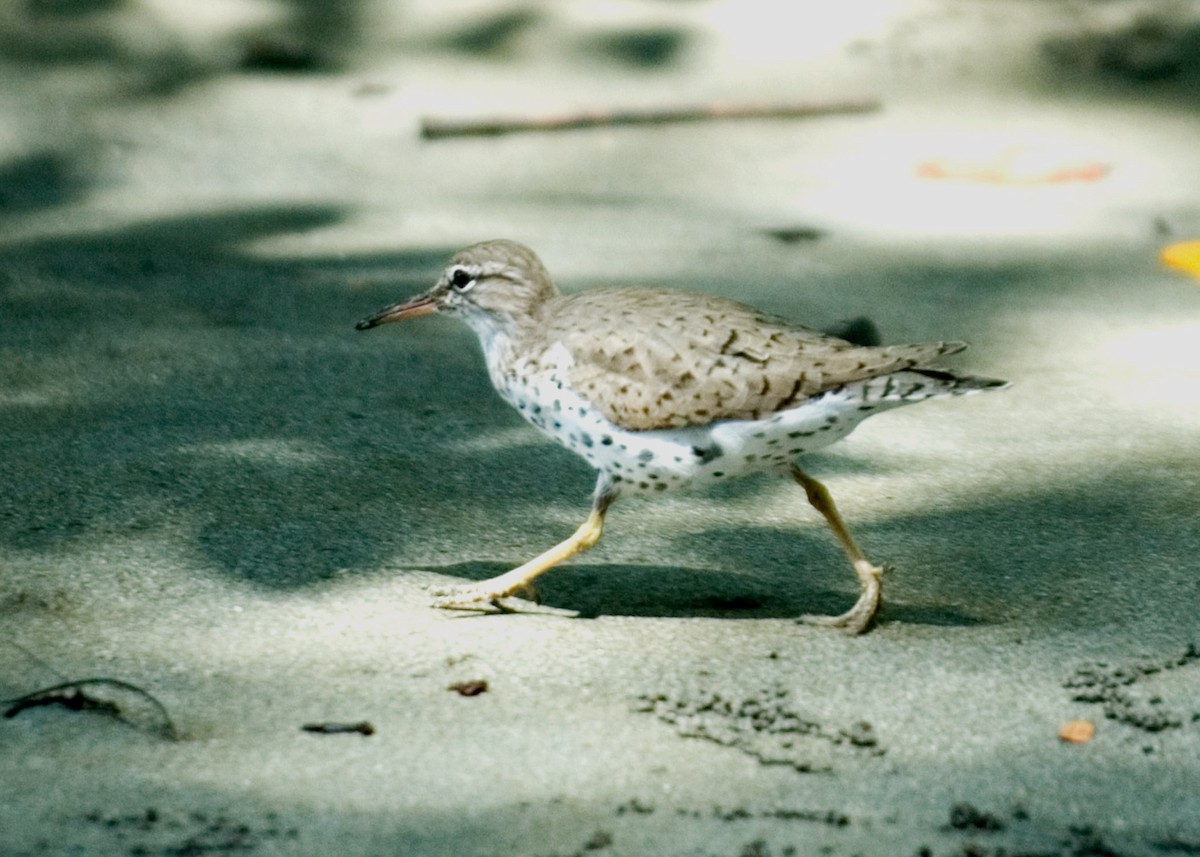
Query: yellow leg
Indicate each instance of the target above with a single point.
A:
(487, 593)
(857, 618)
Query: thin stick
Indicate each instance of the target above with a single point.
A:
(434, 129)
(73, 694)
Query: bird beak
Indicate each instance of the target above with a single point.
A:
(411, 308)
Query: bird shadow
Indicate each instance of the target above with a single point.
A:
(594, 590)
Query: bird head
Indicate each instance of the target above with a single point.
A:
(493, 285)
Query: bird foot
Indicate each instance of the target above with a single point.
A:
(482, 597)
(858, 618)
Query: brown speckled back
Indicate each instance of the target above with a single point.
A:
(655, 358)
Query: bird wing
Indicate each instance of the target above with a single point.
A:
(653, 359)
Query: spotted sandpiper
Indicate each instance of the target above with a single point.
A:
(662, 389)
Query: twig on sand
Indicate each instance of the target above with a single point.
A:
(360, 728)
(435, 128)
(109, 696)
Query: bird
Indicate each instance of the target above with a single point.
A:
(661, 390)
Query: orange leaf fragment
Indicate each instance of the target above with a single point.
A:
(1014, 166)
(1076, 731)
(1184, 256)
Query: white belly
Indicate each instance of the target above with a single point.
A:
(693, 456)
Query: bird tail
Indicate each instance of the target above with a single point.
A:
(915, 385)
(960, 385)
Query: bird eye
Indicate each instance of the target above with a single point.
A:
(461, 280)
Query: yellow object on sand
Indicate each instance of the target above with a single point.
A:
(1184, 256)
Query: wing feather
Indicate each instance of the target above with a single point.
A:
(653, 358)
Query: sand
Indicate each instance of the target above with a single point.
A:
(218, 492)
